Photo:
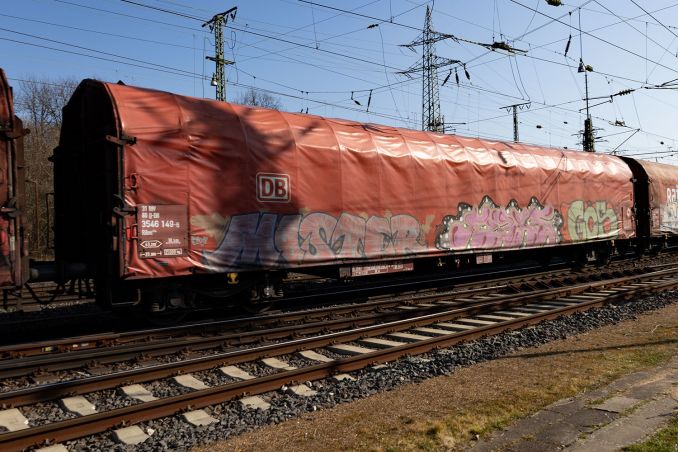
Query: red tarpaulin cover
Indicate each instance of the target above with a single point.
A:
(224, 187)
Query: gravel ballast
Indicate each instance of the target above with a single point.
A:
(176, 434)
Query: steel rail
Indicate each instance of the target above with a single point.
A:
(55, 362)
(154, 372)
(92, 341)
(95, 423)
(108, 339)
(105, 339)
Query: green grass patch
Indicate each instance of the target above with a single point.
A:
(665, 440)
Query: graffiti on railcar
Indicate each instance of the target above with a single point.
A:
(270, 239)
(669, 211)
(591, 220)
(490, 226)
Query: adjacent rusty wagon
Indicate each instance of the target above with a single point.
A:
(13, 249)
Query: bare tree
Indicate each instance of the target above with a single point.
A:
(258, 98)
(38, 103)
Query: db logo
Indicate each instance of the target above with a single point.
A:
(273, 187)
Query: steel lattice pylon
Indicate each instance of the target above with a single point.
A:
(216, 25)
(430, 110)
(431, 118)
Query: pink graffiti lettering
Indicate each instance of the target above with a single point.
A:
(490, 226)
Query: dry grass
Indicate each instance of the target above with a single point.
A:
(449, 412)
(517, 400)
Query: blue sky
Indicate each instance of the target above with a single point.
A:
(317, 58)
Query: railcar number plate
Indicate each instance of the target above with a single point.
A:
(484, 259)
(376, 269)
(163, 230)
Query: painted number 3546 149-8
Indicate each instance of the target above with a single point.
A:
(158, 224)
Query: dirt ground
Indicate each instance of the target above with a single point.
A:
(450, 412)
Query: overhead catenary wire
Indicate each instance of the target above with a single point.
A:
(392, 86)
(627, 139)
(264, 35)
(617, 46)
(199, 19)
(647, 37)
(320, 102)
(196, 29)
(130, 16)
(103, 33)
(146, 64)
(184, 73)
(488, 46)
(635, 18)
(654, 18)
(308, 46)
(128, 63)
(155, 21)
(55, 41)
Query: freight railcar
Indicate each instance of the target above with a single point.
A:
(13, 247)
(169, 197)
(656, 190)
(167, 200)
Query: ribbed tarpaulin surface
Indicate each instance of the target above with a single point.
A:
(235, 187)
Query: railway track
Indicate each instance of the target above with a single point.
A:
(35, 296)
(440, 321)
(85, 318)
(361, 300)
(240, 331)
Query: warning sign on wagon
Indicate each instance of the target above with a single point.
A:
(163, 230)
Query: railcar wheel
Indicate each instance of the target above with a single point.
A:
(578, 260)
(167, 307)
(603, 255)
(623, 248)
(262, 296)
